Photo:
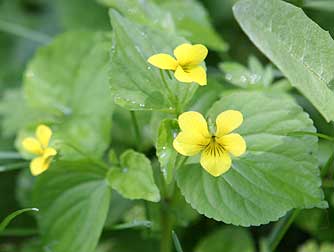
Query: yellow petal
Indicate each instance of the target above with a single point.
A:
(228, 121)
(32, 145)
(49, 152)
(163, 61)
(187, 54)
(189, 144)
(196, 74)
(233, 143)
(39, 165)
(194, 123)
(215, 160)
(43, 134)
(182, 76)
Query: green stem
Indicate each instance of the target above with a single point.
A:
(172, 97)
(166, 234)
(281, 228)
(177, 242)
(10, 155)
(21, 31)
(136, 128)
(14, 166)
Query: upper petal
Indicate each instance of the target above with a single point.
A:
(187, 54)
(163, 61)
(233, 143)
(38, 165)
(43, 134)
(189, 144)
(228, 121)
(194, 123)
(32, 145)
(215, 160)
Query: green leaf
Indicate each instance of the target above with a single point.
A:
(186, 18)
(192, 22)
(134, 178)
(238, 74)
(73, 14)
(278, 172)
(227, 239)
(73, 197)
(136, 85)
(299, 47)
(165, 151)
(68, 81)
(12, 216)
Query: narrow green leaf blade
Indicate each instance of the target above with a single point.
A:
(134, 178)
(278, 172)
(12, 216)
(299, 47)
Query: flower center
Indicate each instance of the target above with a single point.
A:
(214, 148)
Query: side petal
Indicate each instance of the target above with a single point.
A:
(228, 121)
(187, 54)
(38, 165)
(43, 134)
(194, 123)
(189, 144)
(163, 61)
(32, 145)
(215, 161)
(49, 152)
(233, 143)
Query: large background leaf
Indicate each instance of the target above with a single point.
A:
(73, 198)
(299, 47)
(278, 172)
(187, 18)
(69, 81)
(227, 239)
(137, 85)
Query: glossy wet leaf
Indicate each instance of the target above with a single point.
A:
(277, 173)
(73, 198)
(165, 152)
(68, 81)
(187, 18)
(299, 47)
(135, 84)
(133, 179)
(227, 239)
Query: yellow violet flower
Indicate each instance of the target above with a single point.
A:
(216, 148)
(39, 146)
(186, 66)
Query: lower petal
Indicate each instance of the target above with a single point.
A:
(182, 76)
(39, 165)
(196, 74)
(215, 162)
(233, 143)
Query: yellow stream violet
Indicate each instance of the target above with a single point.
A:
(186, 66)
(216, 148)
(39, 146)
